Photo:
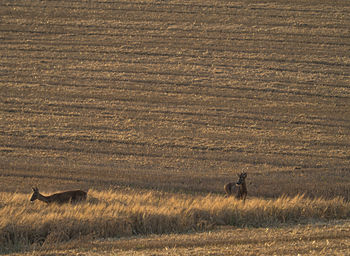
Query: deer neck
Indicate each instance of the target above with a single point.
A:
(244, 186)
(43, 198)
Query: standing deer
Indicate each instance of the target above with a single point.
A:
(242, 187)
(60, 198)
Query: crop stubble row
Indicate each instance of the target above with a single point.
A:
(155, 92)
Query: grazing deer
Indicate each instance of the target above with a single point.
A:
(60, 198)
(242, 187)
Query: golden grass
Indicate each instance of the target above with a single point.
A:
(319, 238)
(121, 214)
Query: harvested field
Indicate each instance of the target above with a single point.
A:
(176, 97)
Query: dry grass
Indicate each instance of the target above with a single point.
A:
(119, 214)
(315, 239)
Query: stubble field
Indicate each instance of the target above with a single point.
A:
(172, 99)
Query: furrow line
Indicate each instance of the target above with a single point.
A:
(258, 118)
(161, 62)
(194, 7)
(181, 84)
(173, 37)
(170, 154)
(201, 53)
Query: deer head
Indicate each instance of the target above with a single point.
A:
(242, 177)
(35, 194)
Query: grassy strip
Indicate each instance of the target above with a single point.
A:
(118, 214)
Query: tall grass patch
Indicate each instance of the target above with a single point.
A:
(119, 214)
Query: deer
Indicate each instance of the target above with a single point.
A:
(60, 198)
(242, 187)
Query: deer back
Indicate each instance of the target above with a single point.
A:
(229, 187)
(68, 196)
